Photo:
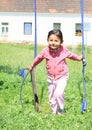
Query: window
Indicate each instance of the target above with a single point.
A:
(27, 28)
(78, 29)
(87, 26)
(56, 25)
(4, 29)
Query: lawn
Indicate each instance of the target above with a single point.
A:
(14, 117)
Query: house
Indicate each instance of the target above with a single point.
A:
(17, 20)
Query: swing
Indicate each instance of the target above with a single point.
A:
(84, 102)
(32, 74)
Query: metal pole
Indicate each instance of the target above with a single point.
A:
(84, 102)
(82, 22)
(35, 26)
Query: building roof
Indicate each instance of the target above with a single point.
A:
(45, 6)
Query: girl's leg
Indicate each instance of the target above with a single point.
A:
(52, 99)
(59, 92)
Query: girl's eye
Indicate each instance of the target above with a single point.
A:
(51, 40)
(56, 40)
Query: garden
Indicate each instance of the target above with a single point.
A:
(13, 116)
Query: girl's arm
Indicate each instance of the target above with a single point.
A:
(75, 57)
(36, 61)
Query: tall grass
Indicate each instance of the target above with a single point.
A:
(14, 117)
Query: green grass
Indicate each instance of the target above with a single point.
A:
(14, 117)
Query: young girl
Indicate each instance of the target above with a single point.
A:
(57, 70)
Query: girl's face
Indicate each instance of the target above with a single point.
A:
(54, 42)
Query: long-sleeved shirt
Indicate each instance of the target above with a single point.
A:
(56, 60)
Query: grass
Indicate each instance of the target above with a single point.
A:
(14, 117)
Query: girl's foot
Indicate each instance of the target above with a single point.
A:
(61, 112)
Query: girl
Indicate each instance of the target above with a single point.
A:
(57, 70)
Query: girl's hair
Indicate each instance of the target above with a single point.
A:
(56, 32)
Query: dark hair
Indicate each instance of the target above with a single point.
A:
(57, 32)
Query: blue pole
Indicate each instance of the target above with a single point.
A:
(35, 26)
(82, 23)
(84, 102)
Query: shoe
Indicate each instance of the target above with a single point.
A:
(61, 112)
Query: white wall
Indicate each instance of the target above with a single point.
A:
(44, 25)
(16, 25)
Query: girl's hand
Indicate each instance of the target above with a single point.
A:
(30, 68)
(81, 57)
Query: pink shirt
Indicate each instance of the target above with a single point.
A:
(56, 61)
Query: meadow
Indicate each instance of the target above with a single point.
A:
(13, 57)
